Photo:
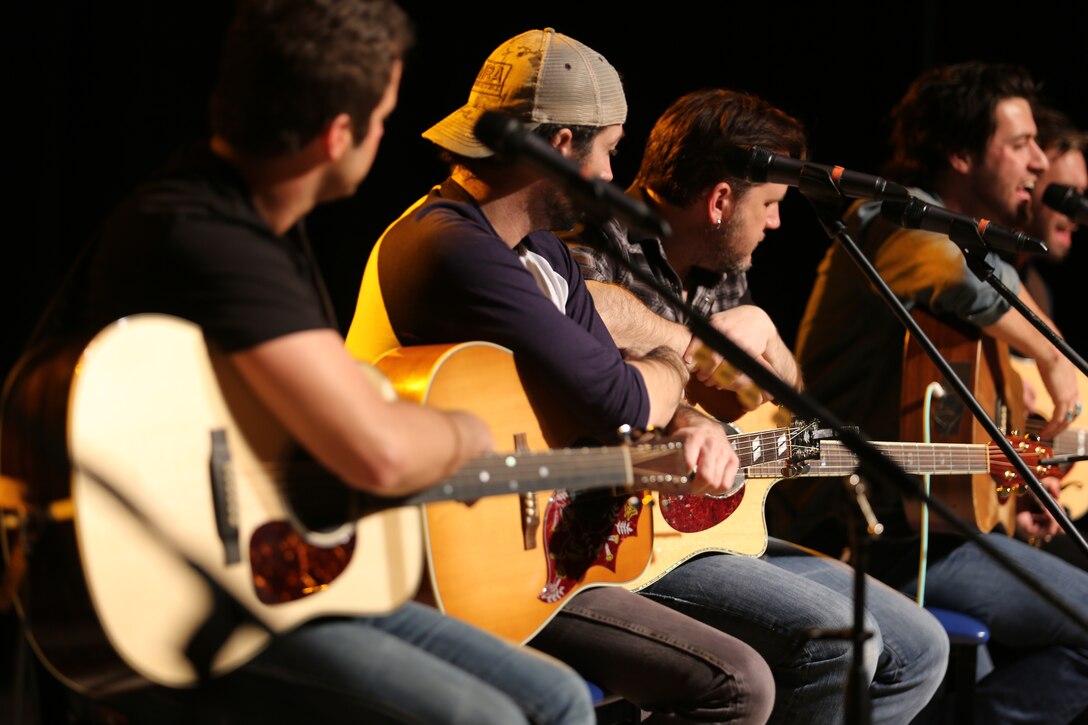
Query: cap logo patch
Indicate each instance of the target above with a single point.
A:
(492, 78)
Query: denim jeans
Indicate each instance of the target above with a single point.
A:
(413, 666)
(677, 668)
(1045, 680)
(771, 604)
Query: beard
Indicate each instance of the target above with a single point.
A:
(995, 204)
(553, 210)
(720, 251)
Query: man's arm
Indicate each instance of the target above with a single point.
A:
(1057, 373)
(664, 374)
(634, 327)
(314, 388)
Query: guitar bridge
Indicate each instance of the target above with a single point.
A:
(530, 515)
(226, 517)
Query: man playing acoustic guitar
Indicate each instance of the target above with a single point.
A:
(476, 260)
(965, 134)
(717, 222)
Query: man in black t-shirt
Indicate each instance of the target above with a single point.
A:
(216, 238)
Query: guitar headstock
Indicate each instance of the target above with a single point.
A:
(805, 437)
(1007, 479)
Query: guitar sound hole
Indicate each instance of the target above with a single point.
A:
(286, 568)
(586, 531)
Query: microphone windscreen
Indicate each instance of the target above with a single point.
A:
(1060, 198)
(495, 130)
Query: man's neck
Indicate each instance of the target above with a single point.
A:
(679, 248)
(506, 206)
(283, 188)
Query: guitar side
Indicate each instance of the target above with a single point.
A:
(146, 396)
(484, 568)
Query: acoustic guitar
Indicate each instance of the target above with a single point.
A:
(698, 529)
(508, 564)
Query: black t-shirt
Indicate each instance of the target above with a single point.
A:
(190, 243)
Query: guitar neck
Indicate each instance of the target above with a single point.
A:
(574, 469)
(578, 469)
(838, 460)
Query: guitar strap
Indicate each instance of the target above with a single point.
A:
(227, 614)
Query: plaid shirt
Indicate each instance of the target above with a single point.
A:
(712, 292)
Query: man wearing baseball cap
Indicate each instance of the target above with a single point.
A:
(476, 260)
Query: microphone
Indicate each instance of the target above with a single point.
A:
(960, 228)
(508, 137)
(757, 164)
(1067, 200)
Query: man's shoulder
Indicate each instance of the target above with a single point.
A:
(442, 218)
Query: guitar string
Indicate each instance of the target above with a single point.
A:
(743, 445)
(952, 457)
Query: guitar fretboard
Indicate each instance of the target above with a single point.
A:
(762, 447)
(838, 460)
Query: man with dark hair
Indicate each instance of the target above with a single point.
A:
(217, 238)
(1064, 145)
(967, 133)
(475, 259)
(717, 221)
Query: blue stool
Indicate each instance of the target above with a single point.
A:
(595, 693)
(612, 709)
(965, 634)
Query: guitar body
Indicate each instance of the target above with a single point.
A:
(687, 526)
(109, 599)
(983, 364)
(1074, 439)
(486, 568)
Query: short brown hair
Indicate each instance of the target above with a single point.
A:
(950, 110)
(1056, 133)
(688, 145)
(289, 67)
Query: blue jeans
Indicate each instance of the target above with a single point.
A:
(413, 666)
(1046, 678)
(771, 604)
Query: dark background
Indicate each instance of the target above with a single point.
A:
(98, 94)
